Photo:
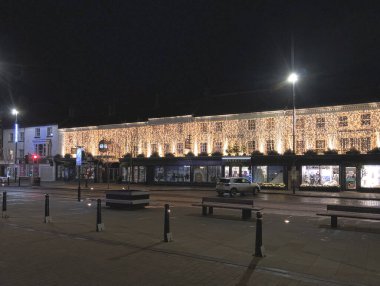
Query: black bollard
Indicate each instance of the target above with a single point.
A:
(47, 211)
(259, 235)
(99, 224)
(167, 234)
(19, 181)
(79, 193)
(8, 180)
(4, 212)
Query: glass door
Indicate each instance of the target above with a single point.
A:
(350, 178)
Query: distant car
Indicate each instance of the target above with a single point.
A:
(234, 186)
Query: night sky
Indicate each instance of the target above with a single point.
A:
(76, 63)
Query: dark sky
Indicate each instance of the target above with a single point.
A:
(117, 61)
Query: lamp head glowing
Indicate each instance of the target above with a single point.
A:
(293, 78)
(14, 111)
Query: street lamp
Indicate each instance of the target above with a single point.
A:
(15, 112)
(293, 78)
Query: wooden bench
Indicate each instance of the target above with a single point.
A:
(350, 211)
(209, 203)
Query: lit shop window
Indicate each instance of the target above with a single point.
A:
(318, 176)
(370, 176)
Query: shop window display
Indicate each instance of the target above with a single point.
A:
(269, 176)
(213, 173)
(370, 176)
(320, 176)
(235, 171)
(172, 174)
(350, 178)
(227, 171)
(200, 174)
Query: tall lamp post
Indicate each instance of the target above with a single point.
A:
(15, 112)
(293, 78)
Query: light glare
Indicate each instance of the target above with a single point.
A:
(293, 78)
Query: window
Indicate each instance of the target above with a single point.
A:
(270, 123)
(251, 124)
(270, 145)
(20, 153)
(37, 132)
(49, 132)
(344, 144)
(22, 136)
(203, 148)
(154, 148)
(179, 148)
(204, 127)
(188, 142)
(10, 137)
(365, 144)
(366, 119)
(251, 146)
(218, 126)
(42, 149)
(300, 123)
(218, 147)
(300, 147)
(320, 122)
(180, 128)
(320, 146)
(343, 121)
(135, 150)
(166, 148)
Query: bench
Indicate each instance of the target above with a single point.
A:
(350, 211)
(209, 203)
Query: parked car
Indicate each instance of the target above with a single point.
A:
(235, 186)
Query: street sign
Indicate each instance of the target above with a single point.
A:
(79, 157)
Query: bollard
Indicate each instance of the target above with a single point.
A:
(47, 211)
(4, 209)
(19, 181)
(79, 193)
(259, 235)
(167, 233)
(8, 180)
(99, 224)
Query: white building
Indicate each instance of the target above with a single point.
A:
(42, 141)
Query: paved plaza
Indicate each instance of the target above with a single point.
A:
(300, 248)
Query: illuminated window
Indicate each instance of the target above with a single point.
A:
(218, 126)
(270, 123)
(343, 121)
(270, 145)
(203, 148)
(49, 132)
(10, 137)
(300, 147)
(365, 144)
(320, 146)
(180, 128)
(366, 119)
(251, 146)
(166, 148)
(154, 148)
(179, 148)
(204, 127)
(218, 147)
(135, 151)
(251, 124)
(320, 122)
(188, 142)
(300, 123)
(37, 132)
(344, 144)
(22, 136)
(42, 149)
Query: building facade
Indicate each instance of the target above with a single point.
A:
(335, 127)
(41, 141)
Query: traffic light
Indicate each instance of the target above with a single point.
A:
(35, 157)
(26, 157)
